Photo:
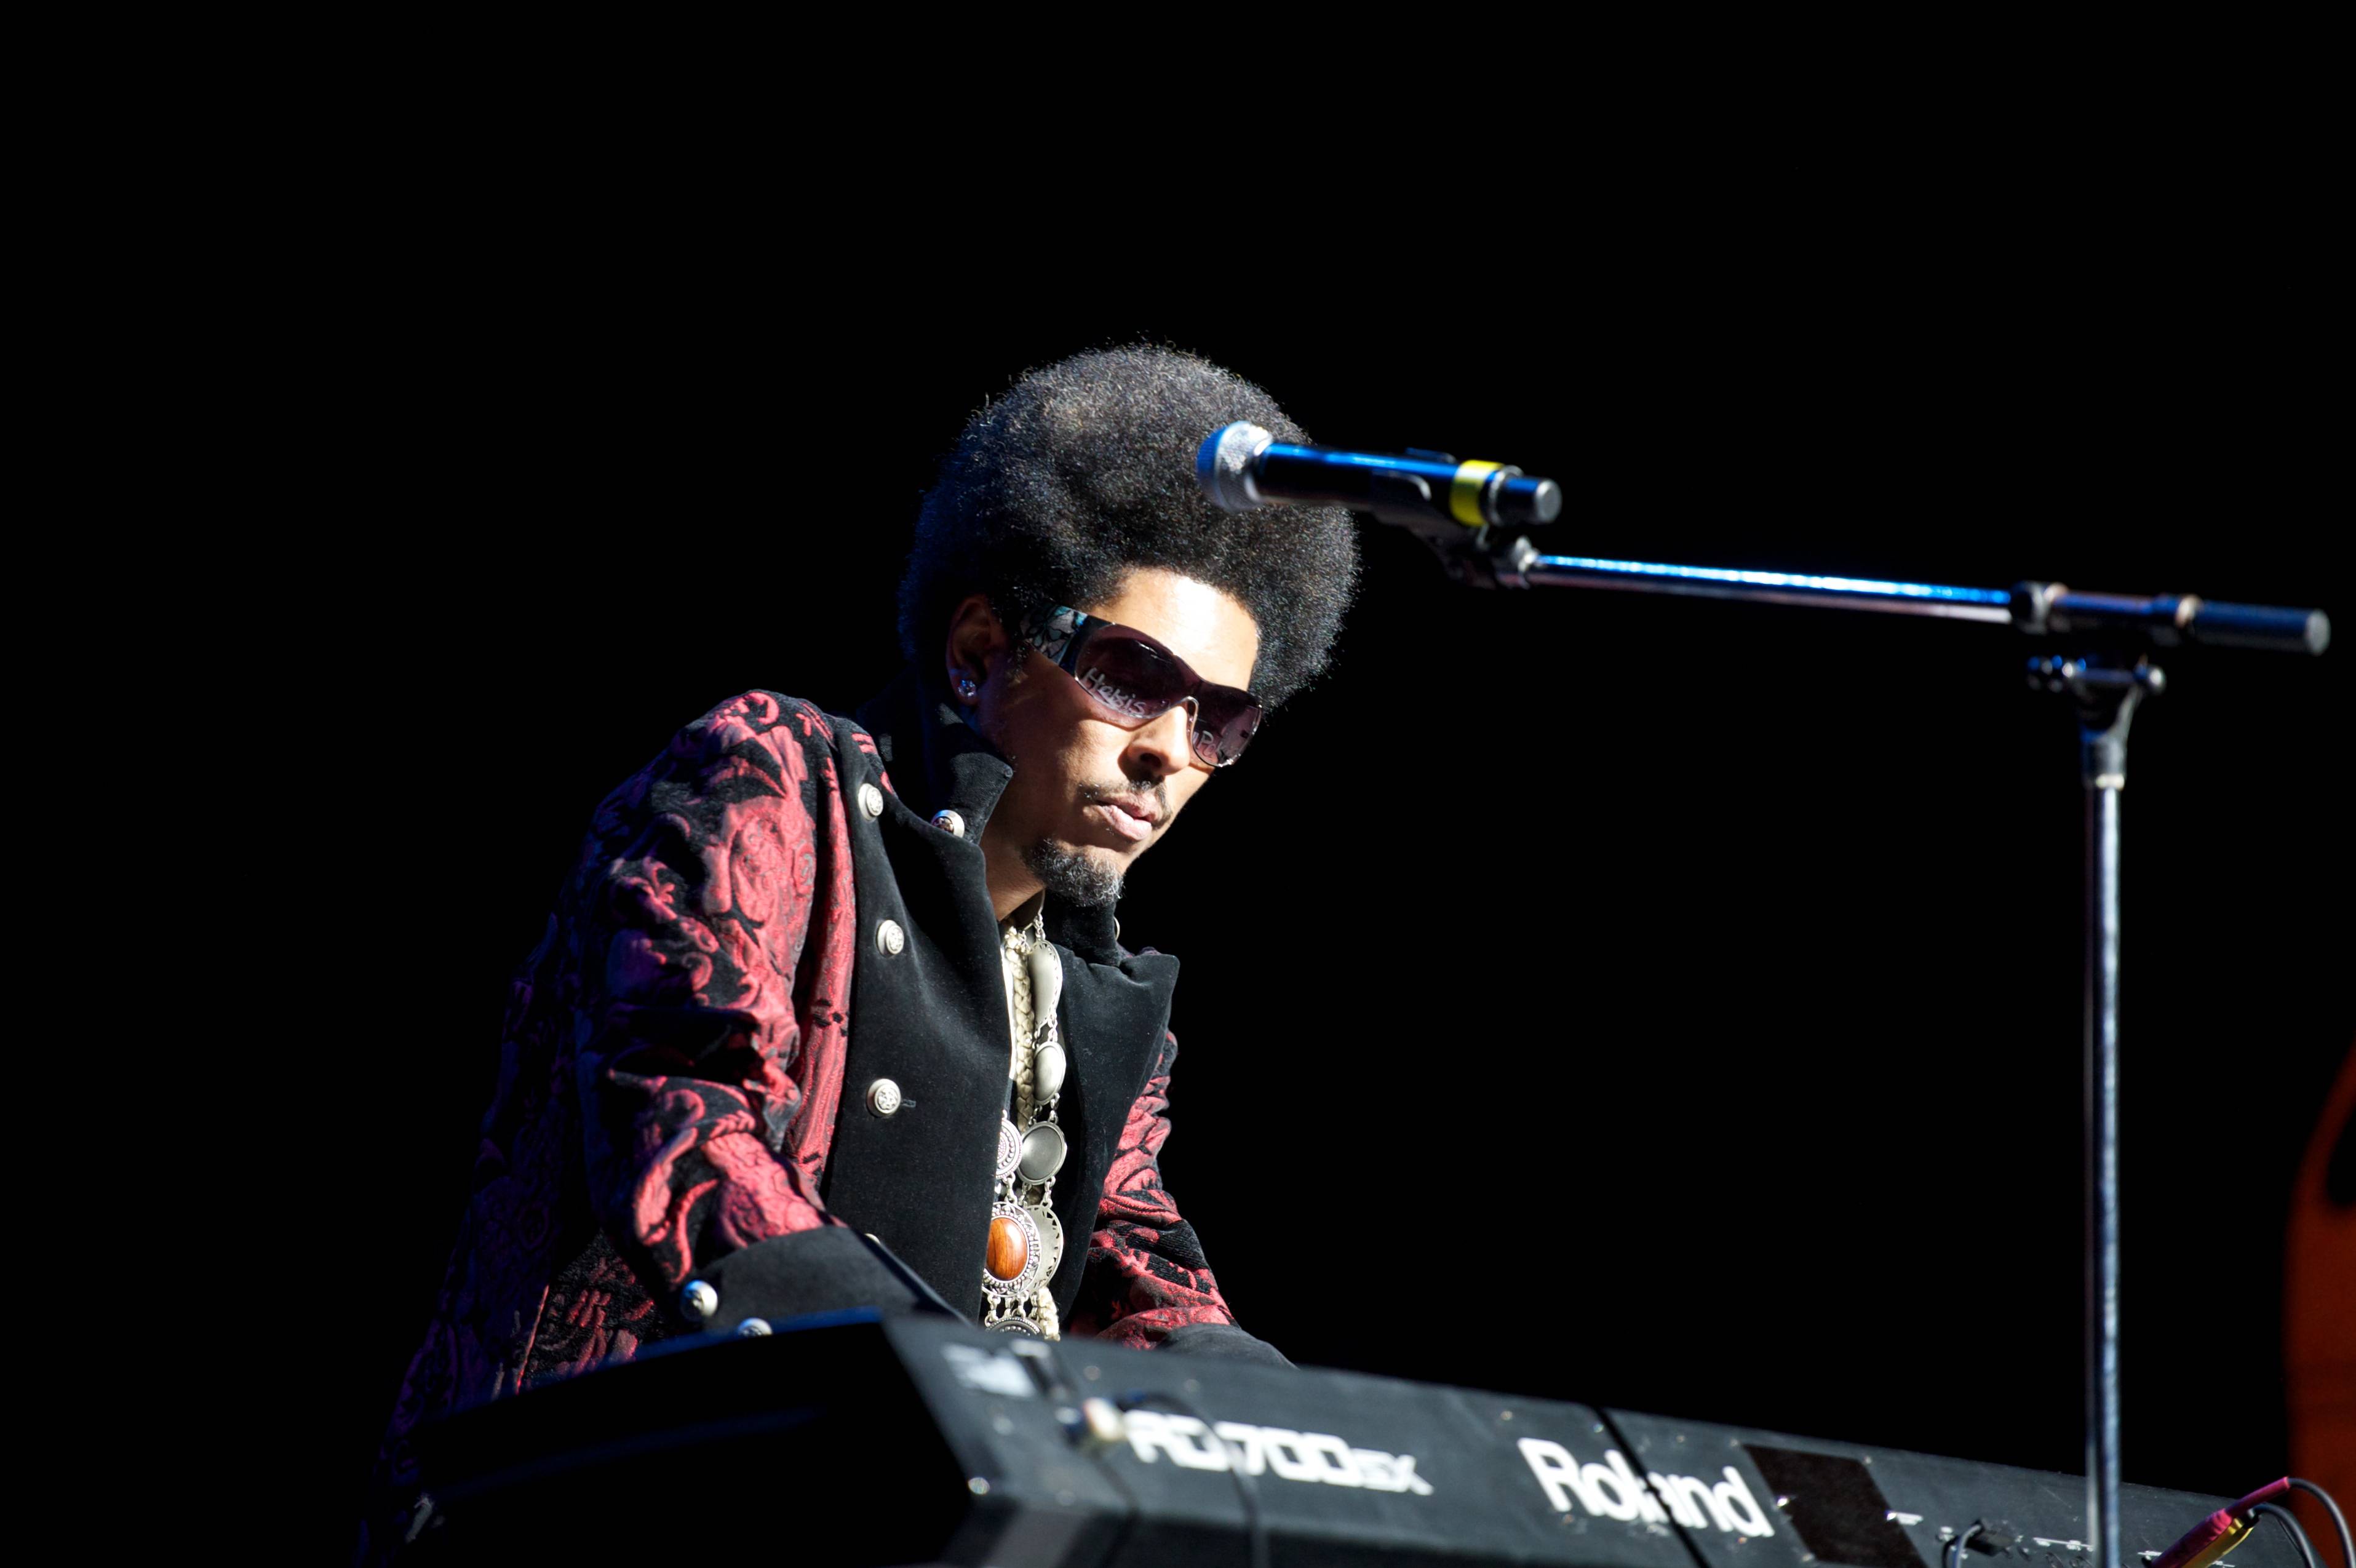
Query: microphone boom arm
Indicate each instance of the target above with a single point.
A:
(1486, 557)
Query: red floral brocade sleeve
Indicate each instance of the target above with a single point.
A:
(1146, 1274)
(679, 1039)
(714, 947)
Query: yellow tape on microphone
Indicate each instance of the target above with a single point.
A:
(1464, 492)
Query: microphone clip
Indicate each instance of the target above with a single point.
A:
(1482, 557)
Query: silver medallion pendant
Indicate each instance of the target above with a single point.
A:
(1010, 1148)
(1046, 1070)
(1010, 1268)
(1014, 1323)
(1041, 1153)
(1047, 968)
(1051, 1234)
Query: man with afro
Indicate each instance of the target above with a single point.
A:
(834, 1012)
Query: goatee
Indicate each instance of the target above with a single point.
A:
(1073, 875)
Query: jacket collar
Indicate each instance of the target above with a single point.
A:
(939, 763)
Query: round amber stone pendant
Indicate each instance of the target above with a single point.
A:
(1009, 1251)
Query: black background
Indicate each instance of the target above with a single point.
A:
(1661, 1003)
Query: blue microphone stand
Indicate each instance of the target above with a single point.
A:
(2106, 680)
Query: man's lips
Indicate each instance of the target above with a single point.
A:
(1132, 819)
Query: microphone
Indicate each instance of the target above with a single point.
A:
(1241, 466)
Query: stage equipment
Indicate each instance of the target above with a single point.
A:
(1242, 466)
(2106, 674)
(850, 1439)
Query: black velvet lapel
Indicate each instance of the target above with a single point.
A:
(936, 762)
(1113, 1017)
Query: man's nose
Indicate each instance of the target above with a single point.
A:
(1163, 745)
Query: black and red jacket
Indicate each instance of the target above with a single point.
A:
(685, 1060)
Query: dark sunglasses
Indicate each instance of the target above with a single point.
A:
(1134, 678)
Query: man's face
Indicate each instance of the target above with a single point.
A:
(1091, 793)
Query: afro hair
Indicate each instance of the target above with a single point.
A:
(1084, 471)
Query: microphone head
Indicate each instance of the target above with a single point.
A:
(1224, 464)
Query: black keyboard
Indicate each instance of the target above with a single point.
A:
(854, 1441)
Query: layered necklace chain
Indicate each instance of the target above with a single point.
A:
(1026, 1239)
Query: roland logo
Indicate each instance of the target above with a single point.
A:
(1612, 1490)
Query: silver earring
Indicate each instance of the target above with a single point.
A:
(965, 685)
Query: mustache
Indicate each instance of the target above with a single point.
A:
(1155, 790)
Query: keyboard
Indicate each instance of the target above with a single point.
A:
(858, 1440)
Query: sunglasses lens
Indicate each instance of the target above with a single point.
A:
(1130, 676)
(1225, 721)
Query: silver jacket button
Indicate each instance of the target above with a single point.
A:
(891, 938)
(753, 1328)
(884, 1097)
(871, 799)
(698, 1301)
(950, 824)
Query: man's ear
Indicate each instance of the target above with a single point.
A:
(976, 645)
